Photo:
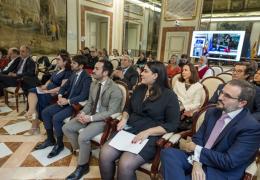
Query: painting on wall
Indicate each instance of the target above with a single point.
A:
(133, 8)
(180, 9)
(104, 2)
(253, 4)
(41, 24)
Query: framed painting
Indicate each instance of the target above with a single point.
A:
(103, 2)
(220, 6)
(133, 8)
(237, 5)
(253, 4)
(40, 24)
(180, 9)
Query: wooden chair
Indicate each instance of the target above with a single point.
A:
(205, 96)
(225, 76)
(115, 63)
(217, 70)
(198, 119)
(212, 83)
(16, 92)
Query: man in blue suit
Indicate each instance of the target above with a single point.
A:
(75, 90)
(225, 144)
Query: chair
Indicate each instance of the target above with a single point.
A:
(217, 69)
(115, 63)
(212, 84)
(205, 96)
(225, 76)
(16, 92)
(174, 79)
(198, 119)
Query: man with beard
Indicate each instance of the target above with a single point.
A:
(242, 71)
(225, 144)
(105, 99)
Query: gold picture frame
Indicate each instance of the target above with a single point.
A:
(180, 9)
(103, 2)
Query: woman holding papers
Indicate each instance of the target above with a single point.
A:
(40, 97)
(153, 110)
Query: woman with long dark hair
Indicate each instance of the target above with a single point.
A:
(152, 111)
(41, 96)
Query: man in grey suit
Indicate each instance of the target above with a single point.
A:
(105, 99)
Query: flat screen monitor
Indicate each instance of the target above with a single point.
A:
(219, 45)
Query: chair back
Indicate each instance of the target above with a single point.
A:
(115, 63)
(217, 70)
(225, 76)
(212, 71)
(205, 96)
(174, 79)
(124, 89)
(212, 84)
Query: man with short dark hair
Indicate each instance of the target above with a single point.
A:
(75, 90)
(105, 99)
(242, 71)
(13, 55)
(127, 73)
(225, 144)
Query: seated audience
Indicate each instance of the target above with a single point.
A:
(225, 144)
(183, 60)
(257, 78)
(105, 54)
(141, 61)
(203, 68)
(42, 96)
(93, 59)
(25, 69)
(75, 90)
(242, 71)
(153, 110)
(14, 59)
(3, 58)
(115, 53)
(172, 67)
(86, 52)
(189, 92)
(90, 121)
(126, 73)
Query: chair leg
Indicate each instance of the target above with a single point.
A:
(6, 97)
(16, 101)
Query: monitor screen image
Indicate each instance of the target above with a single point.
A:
(219, 45)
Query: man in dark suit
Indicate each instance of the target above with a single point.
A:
(242, 71)
(127, 73)
(13, 55)
(25, 68)
(225, 144)
(75, 90)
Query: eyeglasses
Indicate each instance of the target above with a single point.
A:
(226, 95)
(237, 70)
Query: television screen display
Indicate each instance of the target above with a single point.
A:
(220, 45)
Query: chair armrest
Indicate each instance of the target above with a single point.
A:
(76, 107)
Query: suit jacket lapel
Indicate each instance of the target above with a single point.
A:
(230, 125)
(105, 87)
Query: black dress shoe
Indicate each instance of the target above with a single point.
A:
(79, 172)
(55, 151)
(45, 144)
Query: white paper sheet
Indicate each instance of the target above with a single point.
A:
(18, 127)
(4, 150)
(123, 142)
(41, 155)
(5, 109)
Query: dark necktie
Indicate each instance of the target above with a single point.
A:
(94, 108)
(73, 85)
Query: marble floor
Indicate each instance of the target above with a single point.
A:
(21, 164)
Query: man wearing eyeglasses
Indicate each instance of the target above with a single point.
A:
(225, 144)
(242, 71)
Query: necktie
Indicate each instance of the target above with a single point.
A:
(94, 108)
(216, 131)
(73, 85)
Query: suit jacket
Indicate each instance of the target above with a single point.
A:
(28, 69)
(234, 149)
(131, 77)
(190, 99)
(78, 93)
(13, 66)
(111, 99)
(254, 106)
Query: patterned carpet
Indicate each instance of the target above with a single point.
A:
(21, 164)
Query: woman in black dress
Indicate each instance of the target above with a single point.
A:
(153, 111)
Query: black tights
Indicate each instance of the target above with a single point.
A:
(127, 165)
